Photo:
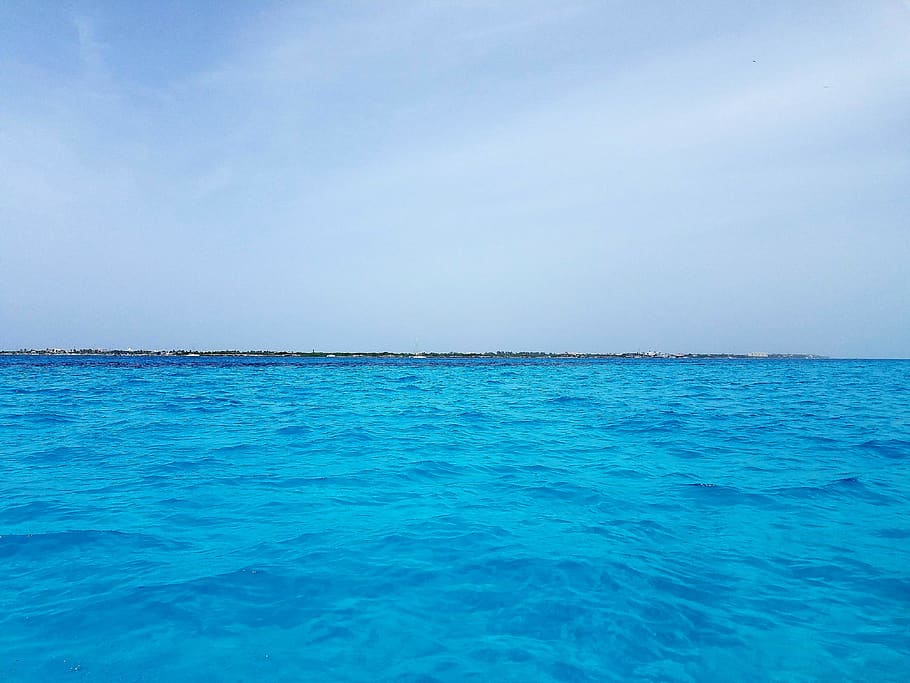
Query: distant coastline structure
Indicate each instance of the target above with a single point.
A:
(191, 353)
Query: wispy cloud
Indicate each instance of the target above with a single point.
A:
(374, 159)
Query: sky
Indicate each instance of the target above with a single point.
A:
(471, 175)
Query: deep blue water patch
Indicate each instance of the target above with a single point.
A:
(170, 519)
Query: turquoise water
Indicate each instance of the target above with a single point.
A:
(205, 519)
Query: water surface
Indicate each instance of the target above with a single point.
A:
(209, 519)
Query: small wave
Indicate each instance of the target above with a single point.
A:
(431, 469)
(189, 464)
(59, 453)
(566, 491)
(59, 541)
(719, 494)
(293, 430)
(846, 481)
(897, 449)
(849, 486)
(569, 400)
(28, 512)
(300, 482)
(235, 448)
(893, 533)
(257, 597)
(350, 435)
(48, 418)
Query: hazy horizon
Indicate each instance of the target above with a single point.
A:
(467, 176)
(657, 353)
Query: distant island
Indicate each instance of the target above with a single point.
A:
(394, 354)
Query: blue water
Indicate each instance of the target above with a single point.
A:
(211, 519)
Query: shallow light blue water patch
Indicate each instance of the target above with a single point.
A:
(208, 519)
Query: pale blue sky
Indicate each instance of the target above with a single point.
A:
(562, 176)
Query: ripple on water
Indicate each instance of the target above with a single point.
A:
(295, 519)
(898, 449)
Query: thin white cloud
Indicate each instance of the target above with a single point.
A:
(90, 48)
(467, 158)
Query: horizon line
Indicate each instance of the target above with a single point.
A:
(183, 352)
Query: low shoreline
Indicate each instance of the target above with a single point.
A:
(391, 354)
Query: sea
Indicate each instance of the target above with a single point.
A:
(352, 519)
